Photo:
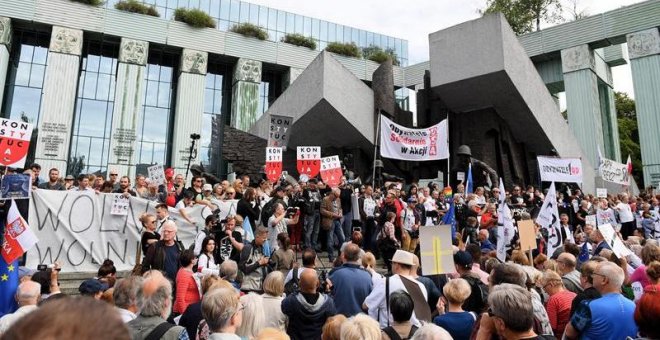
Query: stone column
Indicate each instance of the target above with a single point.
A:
(582, 99)
(189, 111)
(644, 53)
(59, 99)
(245, 94)
(5, 45)
(129, 99)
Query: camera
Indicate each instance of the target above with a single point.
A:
(44, 267)
(323, 279)
(195, 136)
(291, 211)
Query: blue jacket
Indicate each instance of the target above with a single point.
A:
(350, 286)
(306, 318)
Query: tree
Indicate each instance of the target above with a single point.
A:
(575, 12)
(525, 15)
(629, 133)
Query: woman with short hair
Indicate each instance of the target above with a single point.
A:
(559, 303)
(272, 301)
(453, 318)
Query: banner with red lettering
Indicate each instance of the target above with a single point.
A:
(400, 142)
(14, 142)
(331, 170)
(273, 163)
(309, 160)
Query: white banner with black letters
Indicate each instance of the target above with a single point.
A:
(614, 172)
(560, 169)
(79, 229)
(280, 127)
(408, 144)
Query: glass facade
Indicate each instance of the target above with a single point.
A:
(25, 80)
(90, 143)
(278, 23)
(216, 106)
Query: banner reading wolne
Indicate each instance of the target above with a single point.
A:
(279, 130)
(273, 163)
(331, 170)
(560, 169)
(14, 142)
(309, 160)
(400, 142)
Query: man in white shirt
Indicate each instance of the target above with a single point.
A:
(376, 302)
(27, 296)
(125, 297)
(628, 224)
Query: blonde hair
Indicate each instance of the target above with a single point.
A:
(270, 333)
(360, 327)
(332, 327)
(274, 283)
(457, 291)
(551, 278)
(254, 319)
(368, 260)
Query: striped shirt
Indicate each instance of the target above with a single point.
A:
(559, 311)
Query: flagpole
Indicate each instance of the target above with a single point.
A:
(448, 155)
(376, 139)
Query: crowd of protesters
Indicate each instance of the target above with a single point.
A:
(230, 285)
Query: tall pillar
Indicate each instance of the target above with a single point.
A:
(5, 45)
(245, 94)
(189, 112)
(582, 99)
(129, 98)
(644, 53)
(59, 98)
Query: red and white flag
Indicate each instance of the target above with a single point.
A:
(331, 170)
(629, 164)
(19, 238)
(309, 160)
(273, 163)
(14, 142)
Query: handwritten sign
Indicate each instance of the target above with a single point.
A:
(437, 253)
(120, 205)
(156, 174)
(601, 192)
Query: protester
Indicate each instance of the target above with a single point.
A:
(452, 317)
(186, 284)
(54, 182)
(149, 233)
(248, 207)
(387, 241)
(254, 263)
(272, 301)
(254, 319)
(28, 296)
(223, 313)
(164, 254)
(93, 288)
(191, 318)
(283, 258)
(331, 215)
(431, 332)
(650, 253)
(647, 312)
(570, 277)
(332, 327)
(308, 309)
(125, 297)
(206, 261)
(559, 303)
(511, 311)
(476, 300)
(351, 284)
(360, 327)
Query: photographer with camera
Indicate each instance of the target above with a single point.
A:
(278, 223)
(47, 276)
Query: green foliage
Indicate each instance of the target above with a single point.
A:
(345, 49)
(525, 15)
(299, 40)
(90, 2)
(135, 6)
(629, 134)
(376, 53)
(194, 17)
(250, 30)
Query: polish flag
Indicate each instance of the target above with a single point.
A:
(18, 236)
(629, 164)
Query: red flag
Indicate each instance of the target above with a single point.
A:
(18, 236)
(273, 163)
(629, 164)
(331, 170)
(309, 160)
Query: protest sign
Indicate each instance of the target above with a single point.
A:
(120, 204)
(548, 219)
(601, 192)
(613, 240)
(437, 253)
(156, 174)
(505, 229)
(460, 176)
(14, 142)
(591, 220)
(400, 142)
(279, 131)
(78, 228)
(331, 170)
(560, 169)
(16, 186)
(308, 161)
(527, 235)
(273, 163)
(614, 172)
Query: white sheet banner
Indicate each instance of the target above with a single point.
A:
(614, 172)
(548, 219)
(78, 229)
(400, 142)
(560, 169)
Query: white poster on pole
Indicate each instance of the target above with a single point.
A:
(614, 172)
(156, 174)
(560, 169)
(398, 142)
(601, 192)
(548, 219)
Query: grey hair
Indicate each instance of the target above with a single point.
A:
(254, 319)
(159, 301)
(431, 331)
(27, 291)
(512, 304)
(613, 272)
(360, 327)
(126, 291)
(218, 307)
(229, 270)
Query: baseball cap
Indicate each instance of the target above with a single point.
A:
(463, 259)
(92, 286)
(207, 187)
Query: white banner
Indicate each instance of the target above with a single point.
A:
(400, 142)
(156, 174)
(505, 228)
(78, 229)
(548, 219)
(560, 169)
(614, 172)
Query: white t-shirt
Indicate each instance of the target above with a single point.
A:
(376, 301)
(274, 229)
(369, 206)
(625, 213)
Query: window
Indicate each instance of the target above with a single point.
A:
(214, 96)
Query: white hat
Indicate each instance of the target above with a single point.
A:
(207, 187)
(403, 257)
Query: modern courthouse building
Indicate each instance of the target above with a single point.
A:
(107, 89)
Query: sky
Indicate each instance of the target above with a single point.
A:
(413, 20)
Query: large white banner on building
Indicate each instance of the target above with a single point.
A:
(560, 169)
(79, 230)
(400, 142)
(614, 172)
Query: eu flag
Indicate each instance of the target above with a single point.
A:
(8, 286)
(450, 218)
(584, 253)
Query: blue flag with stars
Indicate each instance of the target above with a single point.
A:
(450, 218)
(8, 286)
(584, 253)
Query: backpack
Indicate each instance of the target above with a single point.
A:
(292, 287)
(206, 234)
(478, 299)
(389, 330)
(267, 211)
